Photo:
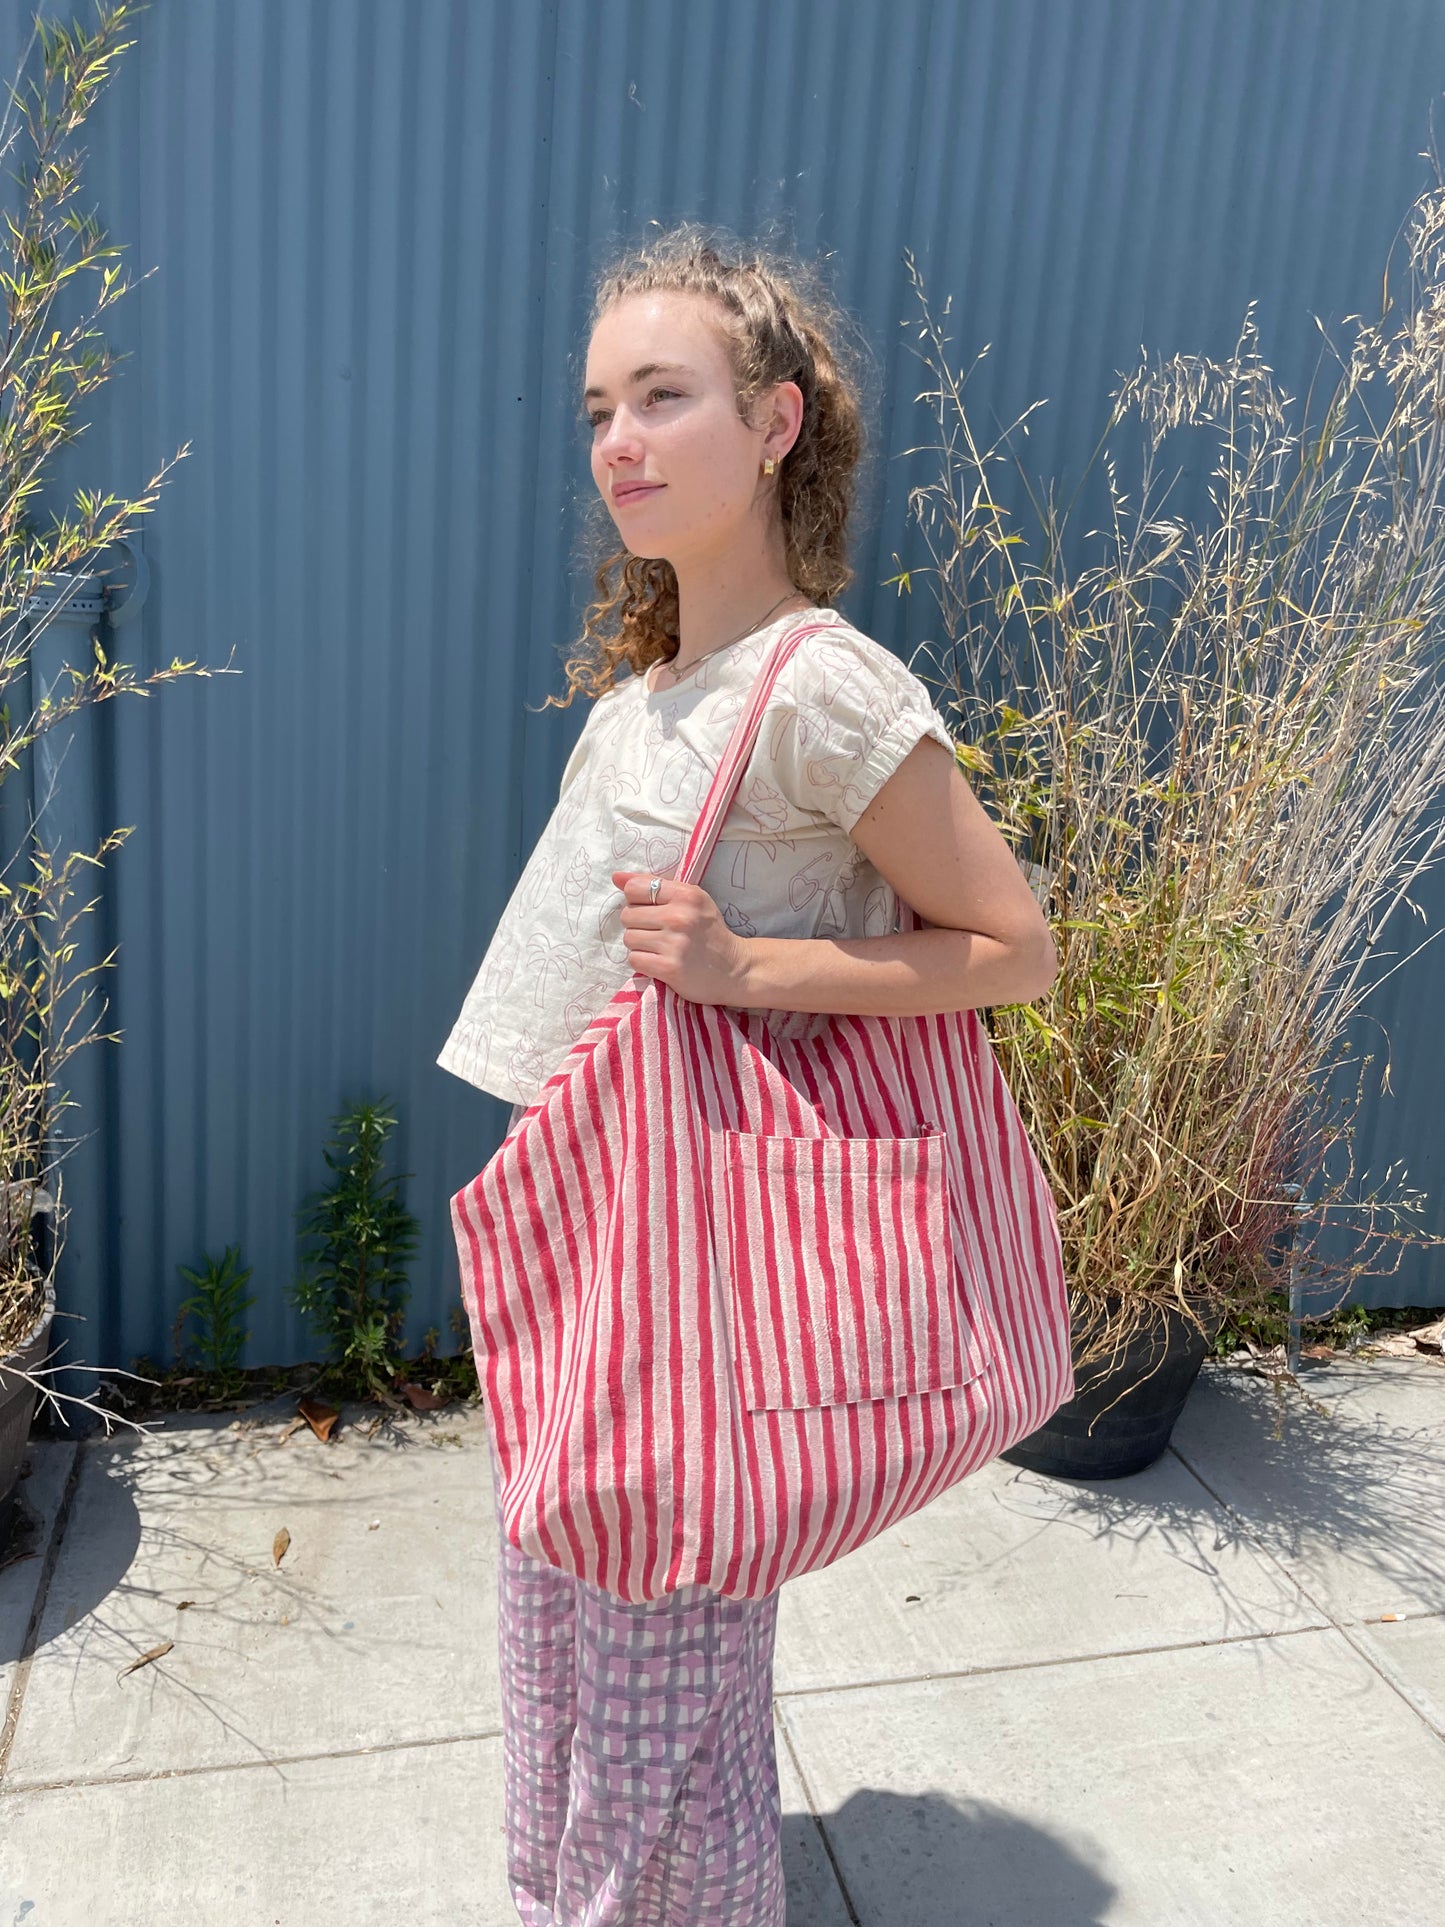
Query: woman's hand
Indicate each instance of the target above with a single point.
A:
(682, 939)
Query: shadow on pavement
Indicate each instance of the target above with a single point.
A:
(1361, 1480)
(933, 1861)
(108, 1559)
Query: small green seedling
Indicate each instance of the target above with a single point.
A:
(217, 1306)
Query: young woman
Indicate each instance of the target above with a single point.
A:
(640, 1775)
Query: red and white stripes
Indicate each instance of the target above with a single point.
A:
(739, 1302)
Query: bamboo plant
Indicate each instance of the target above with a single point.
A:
(49, 252)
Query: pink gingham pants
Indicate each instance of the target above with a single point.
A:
(640, 1778)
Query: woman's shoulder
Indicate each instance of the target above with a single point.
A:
(848, 712)
(617, 691)
(842, 665)
(609, 704)
(603, 712)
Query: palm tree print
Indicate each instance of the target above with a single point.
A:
(550, 962)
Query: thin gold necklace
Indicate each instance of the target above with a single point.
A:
(678, 673)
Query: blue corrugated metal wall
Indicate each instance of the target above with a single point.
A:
(372, 225)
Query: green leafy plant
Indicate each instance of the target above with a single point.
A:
(353, 1287)
(1341, 1329)
(1218, 750)
(216, 1306)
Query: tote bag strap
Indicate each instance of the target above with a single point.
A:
(729, 772)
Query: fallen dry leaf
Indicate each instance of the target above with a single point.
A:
(422, 1399)
(145, 1659)
(1392, 1345)
(321, 1418)
(279, 1545)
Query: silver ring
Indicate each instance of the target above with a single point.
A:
(655, 886)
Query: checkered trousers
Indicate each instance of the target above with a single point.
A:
(640, 1779)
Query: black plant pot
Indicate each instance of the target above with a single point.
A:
(1124, 1409)
(17, 1408)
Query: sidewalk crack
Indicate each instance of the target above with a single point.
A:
(482, 1735)
(21, 1680)
(817, 1819)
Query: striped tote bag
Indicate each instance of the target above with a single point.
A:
(740, 1300)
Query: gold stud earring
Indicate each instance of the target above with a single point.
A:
(768, 465)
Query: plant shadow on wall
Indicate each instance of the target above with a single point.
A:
(1219, 750)
(48, 366)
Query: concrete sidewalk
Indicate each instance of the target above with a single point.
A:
(1175, 1699)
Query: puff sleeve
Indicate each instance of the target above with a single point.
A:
(842, 716)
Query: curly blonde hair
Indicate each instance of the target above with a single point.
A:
(777, 322)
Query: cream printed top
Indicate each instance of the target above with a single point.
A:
(841, 717)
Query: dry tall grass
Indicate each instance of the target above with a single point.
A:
(1225, 745)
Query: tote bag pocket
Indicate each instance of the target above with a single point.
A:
(841, 1269)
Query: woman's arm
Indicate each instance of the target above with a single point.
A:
(928, 835)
